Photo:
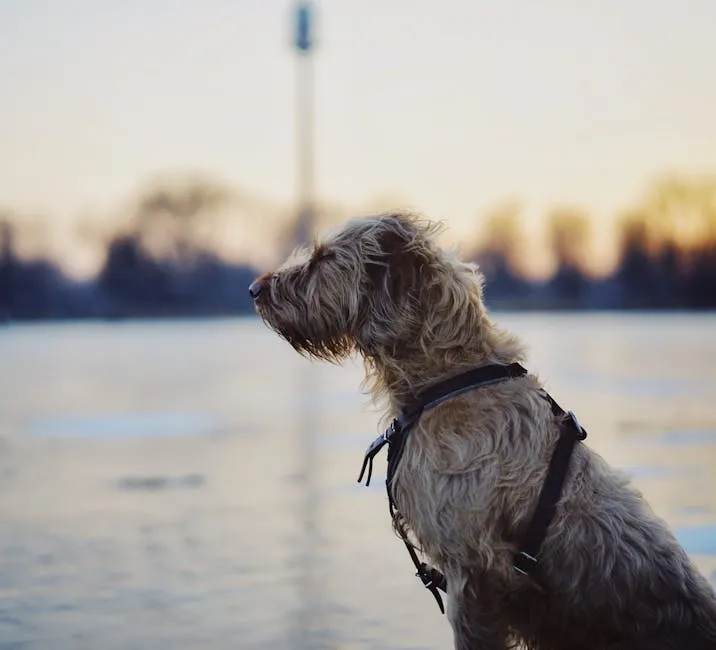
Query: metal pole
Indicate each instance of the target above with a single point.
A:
(305, 123)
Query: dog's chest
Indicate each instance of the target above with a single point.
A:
(421, 496)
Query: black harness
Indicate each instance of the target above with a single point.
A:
(525, 559)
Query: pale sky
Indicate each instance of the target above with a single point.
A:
(448, 106)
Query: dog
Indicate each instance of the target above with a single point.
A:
(611, 574)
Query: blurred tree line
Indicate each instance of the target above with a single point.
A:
(666, 255)
(156, 266)
(159, 264)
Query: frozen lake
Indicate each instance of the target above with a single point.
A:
(192, 484)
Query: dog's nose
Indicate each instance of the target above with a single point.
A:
(255, 288)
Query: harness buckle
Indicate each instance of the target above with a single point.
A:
(524, 563)
(431, 577)
(433, 580)
(392, 429)
(581, 431)
(374, 447)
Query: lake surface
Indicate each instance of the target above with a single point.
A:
(192, 485)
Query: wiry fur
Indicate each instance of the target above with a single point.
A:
(611, 574)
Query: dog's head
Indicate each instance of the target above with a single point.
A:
(365, 287)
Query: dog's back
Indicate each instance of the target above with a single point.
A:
(613, 575)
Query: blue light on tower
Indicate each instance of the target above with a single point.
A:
(303, 28)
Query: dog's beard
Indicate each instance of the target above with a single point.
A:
(320, 341)
(333, 348)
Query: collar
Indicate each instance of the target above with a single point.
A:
(431, 397)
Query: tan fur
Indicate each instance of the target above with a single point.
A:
(611, 574)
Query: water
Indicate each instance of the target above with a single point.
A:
(191, 485)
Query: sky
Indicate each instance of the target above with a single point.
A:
(450, 107)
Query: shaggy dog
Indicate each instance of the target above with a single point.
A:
(611, 576)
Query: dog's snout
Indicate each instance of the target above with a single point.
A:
(255, 288)
(258, 286)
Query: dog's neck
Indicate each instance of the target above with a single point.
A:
(400, 376)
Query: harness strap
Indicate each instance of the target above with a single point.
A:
(432, 579)
(478, 377)
(571, 432)
(431, 397)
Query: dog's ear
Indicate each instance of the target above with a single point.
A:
(397, 262)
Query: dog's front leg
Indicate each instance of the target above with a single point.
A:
(475, 625)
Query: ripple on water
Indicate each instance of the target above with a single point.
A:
(125, 425)
(697, 540)
(653, 471)
(683, 437)
(674, 435)
(152, 483)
